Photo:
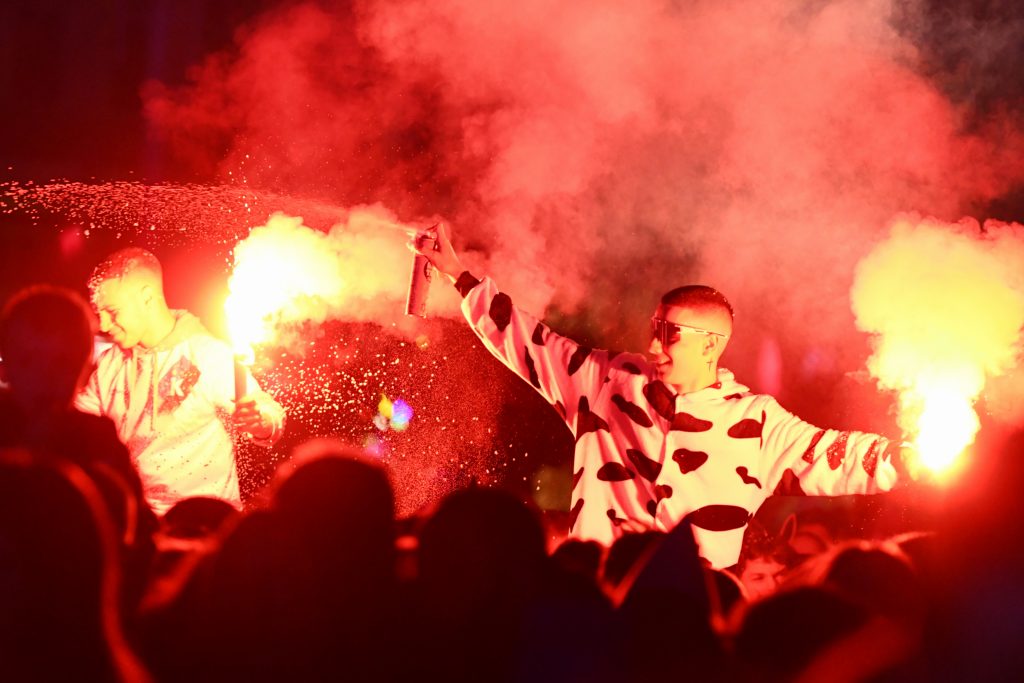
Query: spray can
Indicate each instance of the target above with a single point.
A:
(419, 280)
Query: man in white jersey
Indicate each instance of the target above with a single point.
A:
(168, 385)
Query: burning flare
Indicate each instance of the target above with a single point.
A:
(946, 303)
(286, 274)
(283, 270)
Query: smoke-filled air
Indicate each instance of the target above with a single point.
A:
(285, 273)
(591, 154)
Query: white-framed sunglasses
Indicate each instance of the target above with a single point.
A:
(669, 333)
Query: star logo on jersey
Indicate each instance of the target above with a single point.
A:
(176, 384)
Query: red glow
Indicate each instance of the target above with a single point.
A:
(71, 242)
(588, 150)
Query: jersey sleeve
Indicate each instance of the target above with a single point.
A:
(799, 458)
(217, 362)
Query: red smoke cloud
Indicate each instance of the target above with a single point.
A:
(591, 154)
(303, 106)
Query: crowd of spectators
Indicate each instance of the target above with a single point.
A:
(319, 581)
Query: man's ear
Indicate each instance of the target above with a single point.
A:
(713, 345)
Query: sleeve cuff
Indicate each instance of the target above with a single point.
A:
(465, 283)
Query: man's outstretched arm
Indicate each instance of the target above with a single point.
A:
(562, 371)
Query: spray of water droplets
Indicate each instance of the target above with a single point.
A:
(335, 389)
(171, 214)
(333, 383)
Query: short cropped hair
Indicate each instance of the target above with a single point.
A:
(697, 297)
(124, 262)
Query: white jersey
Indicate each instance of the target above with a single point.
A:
(172, 407)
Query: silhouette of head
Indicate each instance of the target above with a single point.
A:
(46, 341)
(59, 588)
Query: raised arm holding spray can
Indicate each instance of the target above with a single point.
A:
(669, 436)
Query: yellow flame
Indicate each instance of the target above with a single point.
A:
(946, 302)
(941, 423)
(281, 270)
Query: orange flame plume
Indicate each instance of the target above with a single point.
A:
(282, 269)
(946, 303)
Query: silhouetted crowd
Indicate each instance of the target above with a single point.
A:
(319, 581)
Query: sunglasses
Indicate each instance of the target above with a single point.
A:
(669, 333)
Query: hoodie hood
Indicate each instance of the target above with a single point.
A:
(725, 386)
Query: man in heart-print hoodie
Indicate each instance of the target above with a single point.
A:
(671, 436)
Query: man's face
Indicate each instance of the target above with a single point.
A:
(684, 353)
(120, 307)
(761, 577)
